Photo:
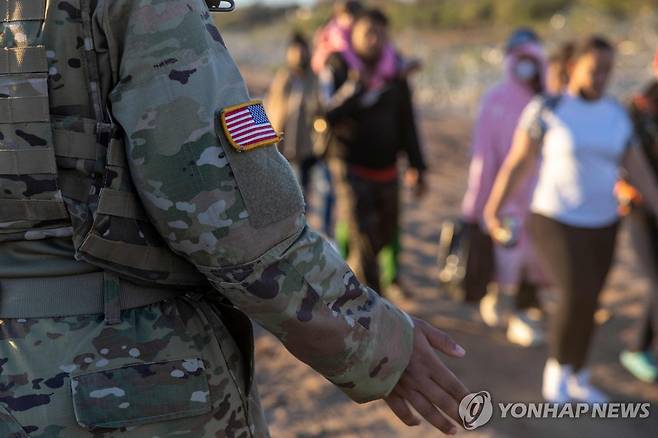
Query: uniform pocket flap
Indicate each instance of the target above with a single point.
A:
(140, 394)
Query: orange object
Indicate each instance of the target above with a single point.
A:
(628, 196)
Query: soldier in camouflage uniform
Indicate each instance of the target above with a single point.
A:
(134, 225)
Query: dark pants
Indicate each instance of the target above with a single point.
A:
(319, 190)
(578, 260)
(304, 169)
(371, 210)
(527, 296)
(328, 199)
(643, 229)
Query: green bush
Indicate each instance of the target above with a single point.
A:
(621, 8)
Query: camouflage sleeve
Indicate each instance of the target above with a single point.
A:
(238, 217)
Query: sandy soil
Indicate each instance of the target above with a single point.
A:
(300, 403)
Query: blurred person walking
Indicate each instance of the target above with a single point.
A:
(583, 139)
(557, 69)
(293, 103)
(370, 113)
(334, 37)
(517, 275)
(640, 357)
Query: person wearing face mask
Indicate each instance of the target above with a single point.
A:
(584, 139)
(513, 302)
(369, 110)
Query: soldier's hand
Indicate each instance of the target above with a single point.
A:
(427, 384)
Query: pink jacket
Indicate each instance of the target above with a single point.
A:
(329, 39)
(500, 111)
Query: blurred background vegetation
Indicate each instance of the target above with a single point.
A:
(459, 41)
(449, 14)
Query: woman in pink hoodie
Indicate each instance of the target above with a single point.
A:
(517, 273)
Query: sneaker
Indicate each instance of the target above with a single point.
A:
(525, 329)
(640, 364)
(555, 381)
(495, 309)
(580, 389)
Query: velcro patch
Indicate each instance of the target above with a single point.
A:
(247, 126)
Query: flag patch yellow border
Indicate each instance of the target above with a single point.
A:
(247, 127)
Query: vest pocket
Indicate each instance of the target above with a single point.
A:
(32, 204)
(29, 191)
(123, 239)
(140, 394)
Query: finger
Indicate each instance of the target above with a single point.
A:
(447, 380)
(492, 223)
(442, 342)
(402, 411)
(429, 412)
(441, 399)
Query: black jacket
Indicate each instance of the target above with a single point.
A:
(371, 136)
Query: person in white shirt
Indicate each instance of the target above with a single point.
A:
(582, 139)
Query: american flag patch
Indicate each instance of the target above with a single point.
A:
(247, 127)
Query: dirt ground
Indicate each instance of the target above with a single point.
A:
(300, 403)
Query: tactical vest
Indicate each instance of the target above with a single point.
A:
(63, 169)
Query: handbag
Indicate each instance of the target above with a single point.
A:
(465, 260)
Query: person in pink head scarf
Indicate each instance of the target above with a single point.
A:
(516, 272)
(336, 35)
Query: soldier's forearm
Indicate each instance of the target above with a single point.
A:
(305, 294)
